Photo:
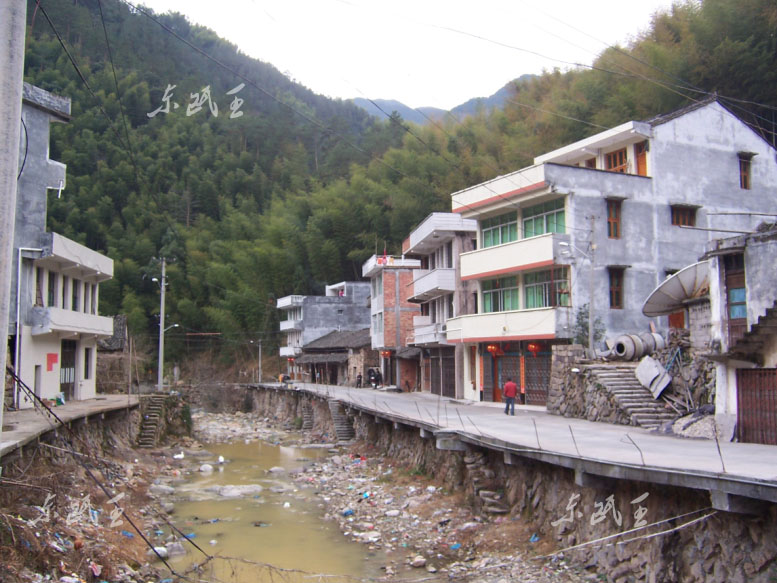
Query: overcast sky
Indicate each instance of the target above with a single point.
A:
(421, 52)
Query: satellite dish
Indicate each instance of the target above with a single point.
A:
(669, 297)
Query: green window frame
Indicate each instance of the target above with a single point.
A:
(546, 289)
(501, 295)
(548, 217)
(499, 230)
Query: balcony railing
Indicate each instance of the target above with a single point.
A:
(287, 325)
(515, 325)
(429, 284)
(429, 334)
(524, 254)
(48, 320)
(290, 351)
(287, 302)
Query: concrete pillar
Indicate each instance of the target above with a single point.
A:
(13, 14)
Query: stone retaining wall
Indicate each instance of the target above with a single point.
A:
(722, 547)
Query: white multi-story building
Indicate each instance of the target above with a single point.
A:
(54, 322)
(592, 228)
(438, 242)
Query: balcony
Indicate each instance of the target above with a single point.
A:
(432, 283)
(499, 191)
(288, 302)
(436, 230)
(377, 263)
(287, 325)
(290, 351)
(540, 323)
(48, 320)
(531, 253)
(74, 260)
(427, 333)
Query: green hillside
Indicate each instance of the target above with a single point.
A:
(301, 189)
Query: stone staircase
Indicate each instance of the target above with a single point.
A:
(153, 410)
(343, 426)
(307, 417)
(634, 400)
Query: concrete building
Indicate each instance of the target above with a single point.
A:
(391, 318)
(743, 334)
(591, 228)
(438, 242)
(54, 316)
(344, 306)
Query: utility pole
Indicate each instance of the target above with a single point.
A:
(13, 16)
(259, 370)
(591, 312)
(161, 366)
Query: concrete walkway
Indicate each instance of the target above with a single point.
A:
(592, 450)
(23, 426)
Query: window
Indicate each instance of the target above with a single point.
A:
(745, 159)
(684, 215)
(590, 163)
(544, 218)
(614, 219)
(39, 286)
(616, 287)
(76, 303)
(52, 299)
(544, 289)
(499, 230)
(65, 292)
(87, 363)
(616, 161)
(500, 295)
(93, 303)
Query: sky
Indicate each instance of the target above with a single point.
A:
(436, 53)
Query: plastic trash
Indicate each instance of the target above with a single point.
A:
(348, 512)
(190, 536)
(455, 546)
(127, 534)
(534, 538)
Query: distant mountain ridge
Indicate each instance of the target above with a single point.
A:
(382, 108)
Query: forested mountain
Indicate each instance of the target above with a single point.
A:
(300, 190)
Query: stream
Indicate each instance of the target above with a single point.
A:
(250, 509)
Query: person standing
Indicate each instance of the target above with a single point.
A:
(359, 381)
(510, 391)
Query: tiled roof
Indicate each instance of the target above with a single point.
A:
(342, 339)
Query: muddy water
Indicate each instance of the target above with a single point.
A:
(274, 523)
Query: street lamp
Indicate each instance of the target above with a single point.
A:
(569, 247)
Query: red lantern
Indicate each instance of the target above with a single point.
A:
(385, 353)
(534, 348)
(492, 348)
(290, 359)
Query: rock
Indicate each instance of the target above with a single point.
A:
(160, 551)
(418, 561)
(206, 468)
(277, 470)
(161, 490)
(392, 513)
(175, 549)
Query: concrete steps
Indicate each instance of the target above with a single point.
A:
(343, 425)
(631, 397)
(307, 417)
(153, 410)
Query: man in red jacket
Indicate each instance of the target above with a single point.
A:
(510, 390)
